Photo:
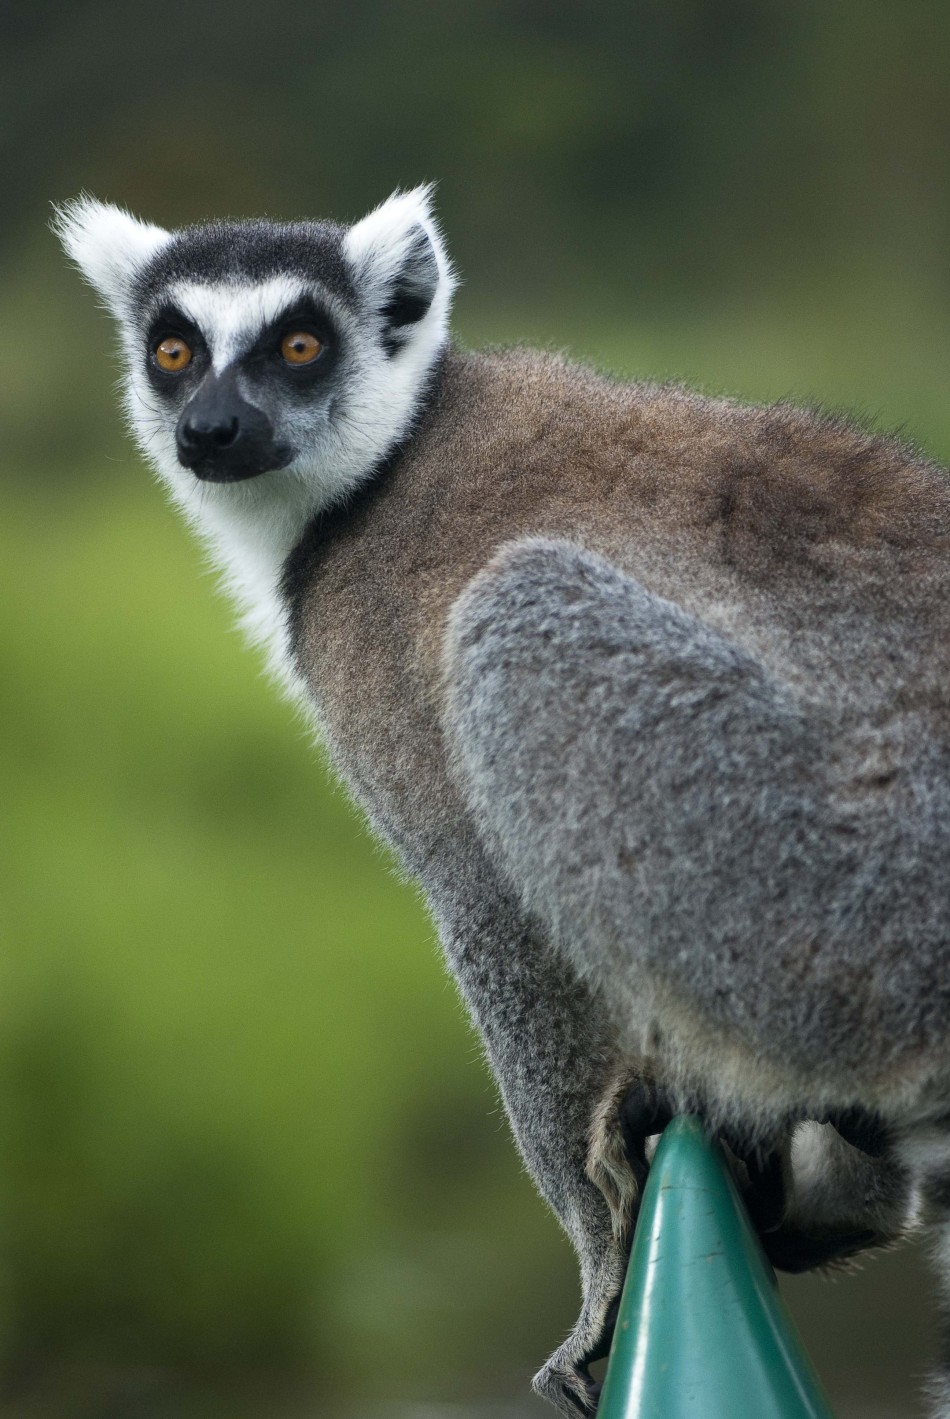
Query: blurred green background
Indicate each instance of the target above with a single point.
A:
(250, 1161)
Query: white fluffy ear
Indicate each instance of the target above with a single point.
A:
(400, 264)
(108, 245)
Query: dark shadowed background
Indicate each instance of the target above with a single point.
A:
(250, 1162)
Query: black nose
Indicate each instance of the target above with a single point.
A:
(202, 434)
(223, 438)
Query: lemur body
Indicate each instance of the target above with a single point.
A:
(647, 690)
(457, 549)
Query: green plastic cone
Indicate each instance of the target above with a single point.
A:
(702, 1332)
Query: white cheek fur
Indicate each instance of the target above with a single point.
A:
(248, 528)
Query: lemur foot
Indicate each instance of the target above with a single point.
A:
(631, 1112)
(632, 1109)
(808, 1238)
(566, 1381)
(765, 1179)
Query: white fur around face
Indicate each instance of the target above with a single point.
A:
(250, 527)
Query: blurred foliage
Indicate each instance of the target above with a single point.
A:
(249, 1161)
(698, 138)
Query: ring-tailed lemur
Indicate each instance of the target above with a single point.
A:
(648, 691)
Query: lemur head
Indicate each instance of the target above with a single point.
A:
(270, 363)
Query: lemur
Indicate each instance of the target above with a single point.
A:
(647, 690)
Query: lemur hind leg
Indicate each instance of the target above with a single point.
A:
(547, 1036)
(630, 1110)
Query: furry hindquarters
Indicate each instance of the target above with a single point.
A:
(675, 815)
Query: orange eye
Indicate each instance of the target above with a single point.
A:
(172, 354)
(300, 347)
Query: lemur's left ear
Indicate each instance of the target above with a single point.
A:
(107, 244)
(398, 258)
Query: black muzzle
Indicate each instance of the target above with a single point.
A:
(224, 439)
